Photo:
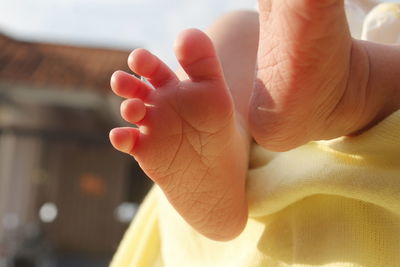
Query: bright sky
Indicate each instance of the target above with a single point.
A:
(114, 23)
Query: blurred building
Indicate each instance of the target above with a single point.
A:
(65, 195)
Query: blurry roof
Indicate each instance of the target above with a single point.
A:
(58, 66)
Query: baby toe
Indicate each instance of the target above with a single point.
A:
(197, 56)
(133, 110)
(151, 67)
(128, 86)
(124, 139)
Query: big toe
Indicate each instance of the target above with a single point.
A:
(197, 56)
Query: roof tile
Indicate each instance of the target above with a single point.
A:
(63, 67)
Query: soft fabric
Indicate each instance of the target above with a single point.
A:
(327, 203)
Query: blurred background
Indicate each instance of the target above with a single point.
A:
(66, 197)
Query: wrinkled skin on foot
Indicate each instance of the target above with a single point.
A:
(312, 76)
(189, 141)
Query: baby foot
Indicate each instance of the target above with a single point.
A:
(312, 76)
(188, 141)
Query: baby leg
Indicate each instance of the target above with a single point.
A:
(312, 76)
(192, 139)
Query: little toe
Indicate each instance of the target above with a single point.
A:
(133, 110)
(151, 67)
(124, 138)
(197, 56)
(128, 86)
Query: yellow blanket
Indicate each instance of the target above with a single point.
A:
(327, 203)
